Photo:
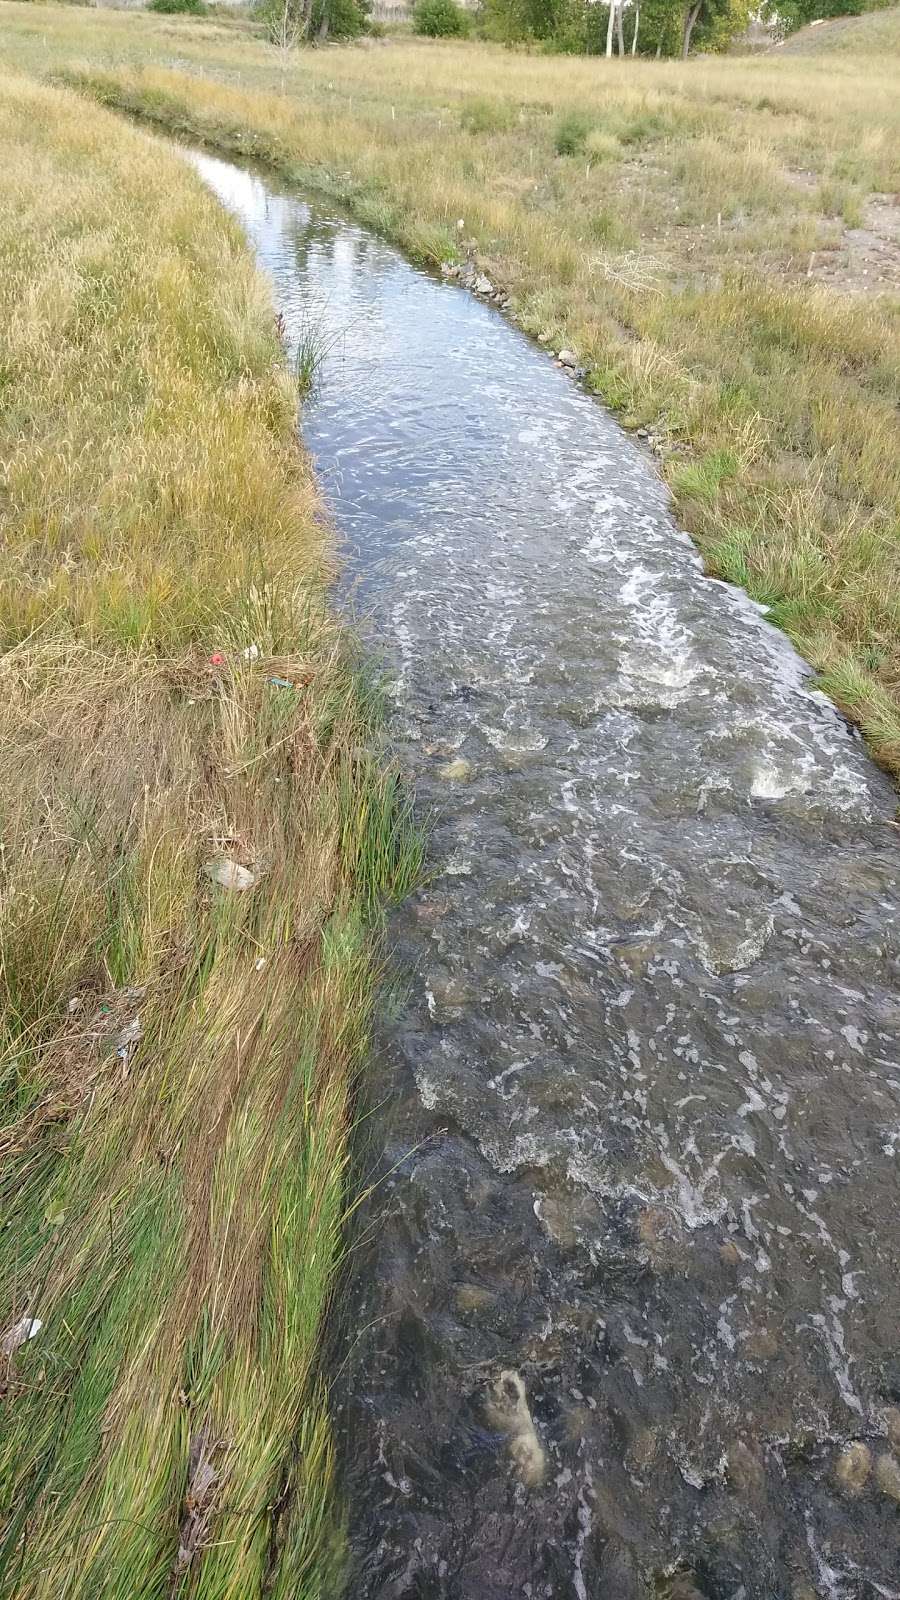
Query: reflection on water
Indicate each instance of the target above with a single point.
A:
(633, 1287)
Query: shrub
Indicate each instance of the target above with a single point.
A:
(571, 133)
(440, 19)
(191, 8)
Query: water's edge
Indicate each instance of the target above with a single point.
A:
(632, 1285)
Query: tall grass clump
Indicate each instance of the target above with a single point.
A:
(571, 133)
(487, 116)
(194, 848)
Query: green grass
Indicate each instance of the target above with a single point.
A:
(674, 246)
(177, 1059)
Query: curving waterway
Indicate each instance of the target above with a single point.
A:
(626, 1318)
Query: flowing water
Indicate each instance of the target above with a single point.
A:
(633, 1280)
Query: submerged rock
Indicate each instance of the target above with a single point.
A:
(745, 1470)
(887, 1476)
(472, 1299)
(456, 771)
(892, 1425)
(507, 1410)
(853, 1467)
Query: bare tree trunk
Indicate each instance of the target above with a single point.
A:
(610, 25)
(690, 17)
(637, 23)
(620, 34)
(283, 32)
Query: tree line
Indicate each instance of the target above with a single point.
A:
(587, 27)
(624, 27)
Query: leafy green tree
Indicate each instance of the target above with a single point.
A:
(293, 22)
(596, 27)
(440, 19)
(513, 20)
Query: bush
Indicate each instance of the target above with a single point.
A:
(190, 8)
(571, 133)
(440, 19)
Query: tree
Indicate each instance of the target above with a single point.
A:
(691, 14)
(584, 27)
(293, 22)
(712, 24)
(284, 25)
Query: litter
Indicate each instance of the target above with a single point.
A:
(230, 874)
(217, 659)
(128, 1037)
(251, 653)
(280, 683)
(19, 1334)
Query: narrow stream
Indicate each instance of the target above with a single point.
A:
(633, 1283)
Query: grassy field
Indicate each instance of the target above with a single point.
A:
(702, 234)
(193, 841)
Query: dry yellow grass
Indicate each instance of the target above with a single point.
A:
(177, 1058)
(679, 250)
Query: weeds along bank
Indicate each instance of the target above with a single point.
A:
(696, 232)
(192, 842)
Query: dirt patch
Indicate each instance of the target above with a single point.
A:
(866, 260)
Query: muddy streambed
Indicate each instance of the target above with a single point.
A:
(632, 1288)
